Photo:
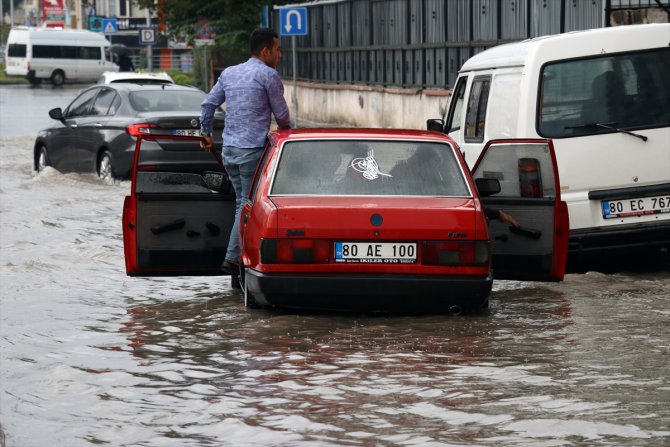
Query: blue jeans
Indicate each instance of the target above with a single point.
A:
(240, 165)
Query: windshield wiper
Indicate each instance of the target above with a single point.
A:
(609, 126)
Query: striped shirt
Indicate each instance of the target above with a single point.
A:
(252, 92)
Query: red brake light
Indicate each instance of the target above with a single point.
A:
(136, 130)
(295, 251)
(530, 178)
(455, 253)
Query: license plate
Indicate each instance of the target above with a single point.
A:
(635, 207)
(376, 252)
(186, 132)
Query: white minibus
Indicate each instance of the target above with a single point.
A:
(57, 55)
(603, 97)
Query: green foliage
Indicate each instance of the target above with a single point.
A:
(181, 78)
(230, 20)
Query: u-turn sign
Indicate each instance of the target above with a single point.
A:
(293, 21)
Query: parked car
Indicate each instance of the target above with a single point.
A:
(356, 219)
(97, 131)
(603, 97)
(111, 77)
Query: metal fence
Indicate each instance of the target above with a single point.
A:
(423, 43)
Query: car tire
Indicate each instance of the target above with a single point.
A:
(41, 159)
(106, 168)
(249, 300)
(57, 78)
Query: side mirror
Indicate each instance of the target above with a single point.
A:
(487, 186)
(435, 125)
(56, 114)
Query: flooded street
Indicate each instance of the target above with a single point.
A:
(89, 356)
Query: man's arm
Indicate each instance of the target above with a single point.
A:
(214, 99)
(278, 104)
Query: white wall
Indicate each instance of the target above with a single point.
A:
(364, 106)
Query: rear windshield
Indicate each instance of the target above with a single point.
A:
(355, 168)
(167, 100)
(16, 50)
(626, 91)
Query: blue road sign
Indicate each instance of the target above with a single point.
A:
(109, 26)
(293, 21)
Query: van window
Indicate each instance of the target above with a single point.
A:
(476, 114)
(16, 50)
(456, 110)
(66, 52)
(626, 91)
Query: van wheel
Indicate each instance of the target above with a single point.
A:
(57, 77)
(42, 159)
(105, 168)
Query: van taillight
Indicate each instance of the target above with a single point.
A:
(295, 251)
(136, 130)
(530, 178)
(455, 253)
(28, 65)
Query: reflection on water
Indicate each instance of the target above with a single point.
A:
(90, 356)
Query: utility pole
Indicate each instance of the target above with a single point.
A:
(150, 46)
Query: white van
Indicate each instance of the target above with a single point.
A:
(56, 54)
(603, 97)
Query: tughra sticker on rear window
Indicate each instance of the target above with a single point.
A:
(368, 166)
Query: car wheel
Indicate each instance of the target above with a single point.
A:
(249, 301)
(42, 160)
(105, 168)
(57, 77)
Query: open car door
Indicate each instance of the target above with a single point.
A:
(181, 208)
(530, 192)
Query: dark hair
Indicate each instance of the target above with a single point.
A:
(262, 38)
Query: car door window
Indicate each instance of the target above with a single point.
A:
(475, 117)
(261, 167)
(456, 109)
(103, 101)
(81, 105)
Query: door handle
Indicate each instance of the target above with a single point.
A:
(246, 218)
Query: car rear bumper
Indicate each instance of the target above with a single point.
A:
(633, 236)
(373, 293)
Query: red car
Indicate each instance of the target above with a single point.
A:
(357, 220)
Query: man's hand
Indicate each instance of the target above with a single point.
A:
(207, 143)
(504, 217)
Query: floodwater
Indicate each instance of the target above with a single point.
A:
(89, 356)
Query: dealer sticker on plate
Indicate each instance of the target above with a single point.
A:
(376, 252)
(635, 207)
(186, 132)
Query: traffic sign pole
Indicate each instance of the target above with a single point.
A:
(295, 94)
(293, 22)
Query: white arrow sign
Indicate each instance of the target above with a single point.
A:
(293, 21)
(292, 12)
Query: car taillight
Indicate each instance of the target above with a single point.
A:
(136, 130)
(455, 253)
(530, 178)
(295, 251)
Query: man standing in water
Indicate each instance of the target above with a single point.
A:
(252, 92)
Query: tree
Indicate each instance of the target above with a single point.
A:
(231, 20)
